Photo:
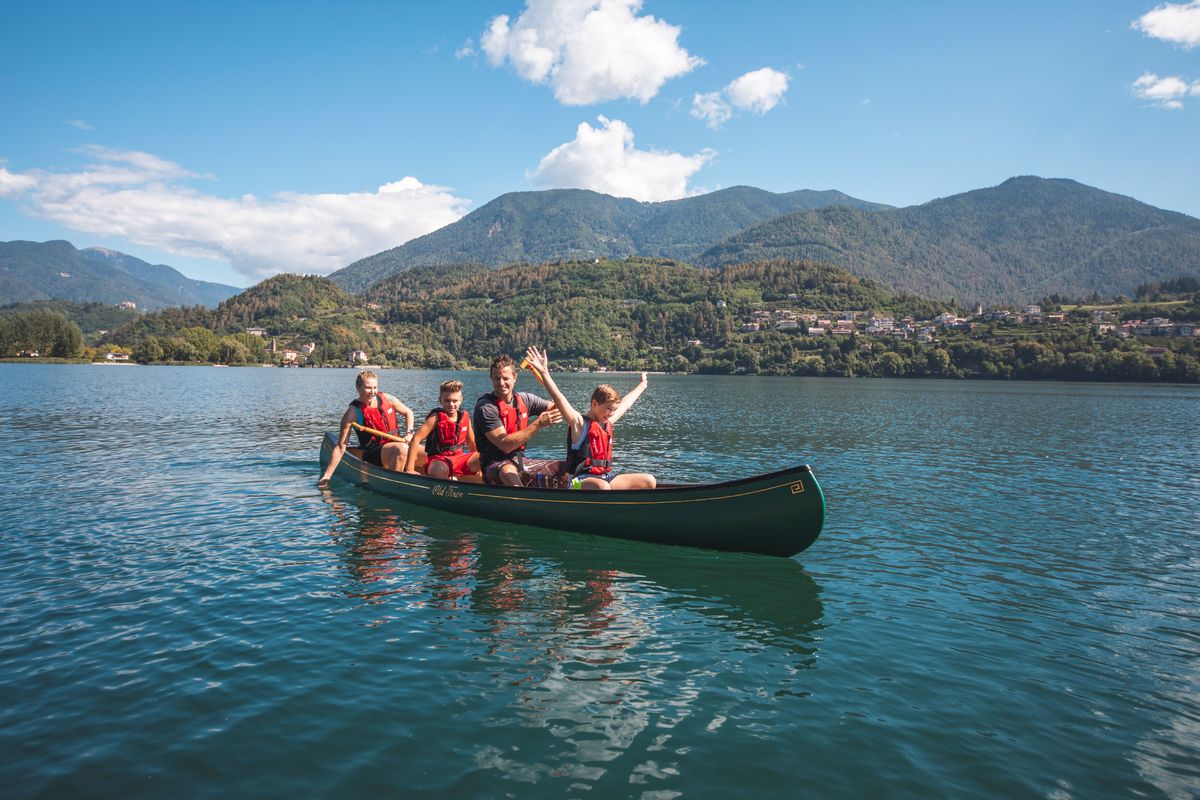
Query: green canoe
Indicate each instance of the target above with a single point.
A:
(778, 514)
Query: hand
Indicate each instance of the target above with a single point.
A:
(538, 359)
(323, 483)
(643, 377)
(551, 417)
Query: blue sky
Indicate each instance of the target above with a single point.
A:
(237, 140)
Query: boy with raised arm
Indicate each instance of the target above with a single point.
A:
(377, 410)
(448, 436)
(589, 437)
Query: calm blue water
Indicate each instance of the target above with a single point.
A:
(1003, 602)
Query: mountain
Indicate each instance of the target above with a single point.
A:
(563, 224)
(1020, 241)
(189, 291)
(31, 271)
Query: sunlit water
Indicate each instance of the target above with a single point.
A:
(1003, 601)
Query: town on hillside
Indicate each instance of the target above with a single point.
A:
(681, 320)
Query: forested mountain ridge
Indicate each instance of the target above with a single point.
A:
(188, 291)
(56, 270)
(566, 224)
(782, 318)
(1024, 239)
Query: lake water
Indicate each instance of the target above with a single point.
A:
(1003, 603)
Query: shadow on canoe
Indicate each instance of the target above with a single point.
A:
(779, 514)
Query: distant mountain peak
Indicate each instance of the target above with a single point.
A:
(1021, 240)
(562, 224)
(56, 270)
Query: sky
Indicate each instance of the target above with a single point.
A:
(234, 141)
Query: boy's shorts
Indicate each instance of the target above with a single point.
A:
(456, 461)
(578, 479)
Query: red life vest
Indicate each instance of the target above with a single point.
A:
(381, 418)
(514, 419)
(594, 455)
(448, 436)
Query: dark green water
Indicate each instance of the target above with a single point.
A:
(1003, 602)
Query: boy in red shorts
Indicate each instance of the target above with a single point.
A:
(449, 439)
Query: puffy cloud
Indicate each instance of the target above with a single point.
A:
(78, 123)
(758, 91)
(466, 50)
(145, 199)
(604, 159)
(1165, 92)
(13, 184)
(1172, 22)
(589, 51)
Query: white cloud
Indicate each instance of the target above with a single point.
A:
(604, 159)
(758, 91)
(1172, 22)
(589, 51)
(466, 50)
(13, 184)
(146, 200)
(78, 123)
(1165, 92)
(711, 108)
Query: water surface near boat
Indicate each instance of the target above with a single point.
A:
(1002, 602)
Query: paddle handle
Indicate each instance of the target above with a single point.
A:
(525, 365)
(381, 434)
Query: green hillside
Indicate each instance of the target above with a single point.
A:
(1017, 242)
(780, 318)
(565, 224)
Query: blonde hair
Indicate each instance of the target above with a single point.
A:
(605, 394)
(450, 387)
(362, 376)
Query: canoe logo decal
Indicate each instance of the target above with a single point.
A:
(797, 488)
(448, 491)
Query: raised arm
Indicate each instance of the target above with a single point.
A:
(540, 360)
(629, 399)
(339, 449)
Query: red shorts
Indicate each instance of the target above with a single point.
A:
(456, 461)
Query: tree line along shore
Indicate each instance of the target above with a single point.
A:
(763, 318)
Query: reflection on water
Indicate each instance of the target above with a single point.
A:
(573, 644)
(1002, 605)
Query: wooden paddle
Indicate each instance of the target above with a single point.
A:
(390, 437)
(526, 365)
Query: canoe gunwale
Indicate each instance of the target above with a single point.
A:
(800, 469)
